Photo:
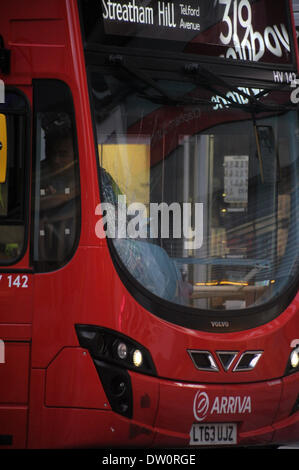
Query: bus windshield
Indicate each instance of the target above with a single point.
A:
(199, 187)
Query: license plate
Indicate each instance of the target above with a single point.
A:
(213, 434)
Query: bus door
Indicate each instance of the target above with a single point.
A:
(16, 275)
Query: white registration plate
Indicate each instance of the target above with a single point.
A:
(213, 434)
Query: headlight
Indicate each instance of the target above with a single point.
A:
(293, 362)
(113, 355)
(294, 358)
(137, 358)
(122, 350)
(115, 348)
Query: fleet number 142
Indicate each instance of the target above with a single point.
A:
(18, 281)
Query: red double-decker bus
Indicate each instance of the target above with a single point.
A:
(149, 168)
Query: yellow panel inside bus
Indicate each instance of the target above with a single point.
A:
(129, 166)
(3, 148)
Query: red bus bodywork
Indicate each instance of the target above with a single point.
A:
(51, 395)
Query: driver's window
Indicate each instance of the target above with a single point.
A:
(57, 190)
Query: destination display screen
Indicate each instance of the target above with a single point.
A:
(246, 30)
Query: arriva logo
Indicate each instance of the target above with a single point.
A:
(201, 406)
(221, 405)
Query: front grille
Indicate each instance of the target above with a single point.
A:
(227, 358)
(205, 360)
(248, 361)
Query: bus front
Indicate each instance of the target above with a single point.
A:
(195, 113)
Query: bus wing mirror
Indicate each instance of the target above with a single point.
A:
(3, 148)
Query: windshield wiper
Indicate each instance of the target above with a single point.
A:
(209, 80)
(163, 97)
(203, 77)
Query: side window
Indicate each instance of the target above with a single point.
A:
(56, 177)
(13, 197)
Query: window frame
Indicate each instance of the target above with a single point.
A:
(26, 171)
(38, 107)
